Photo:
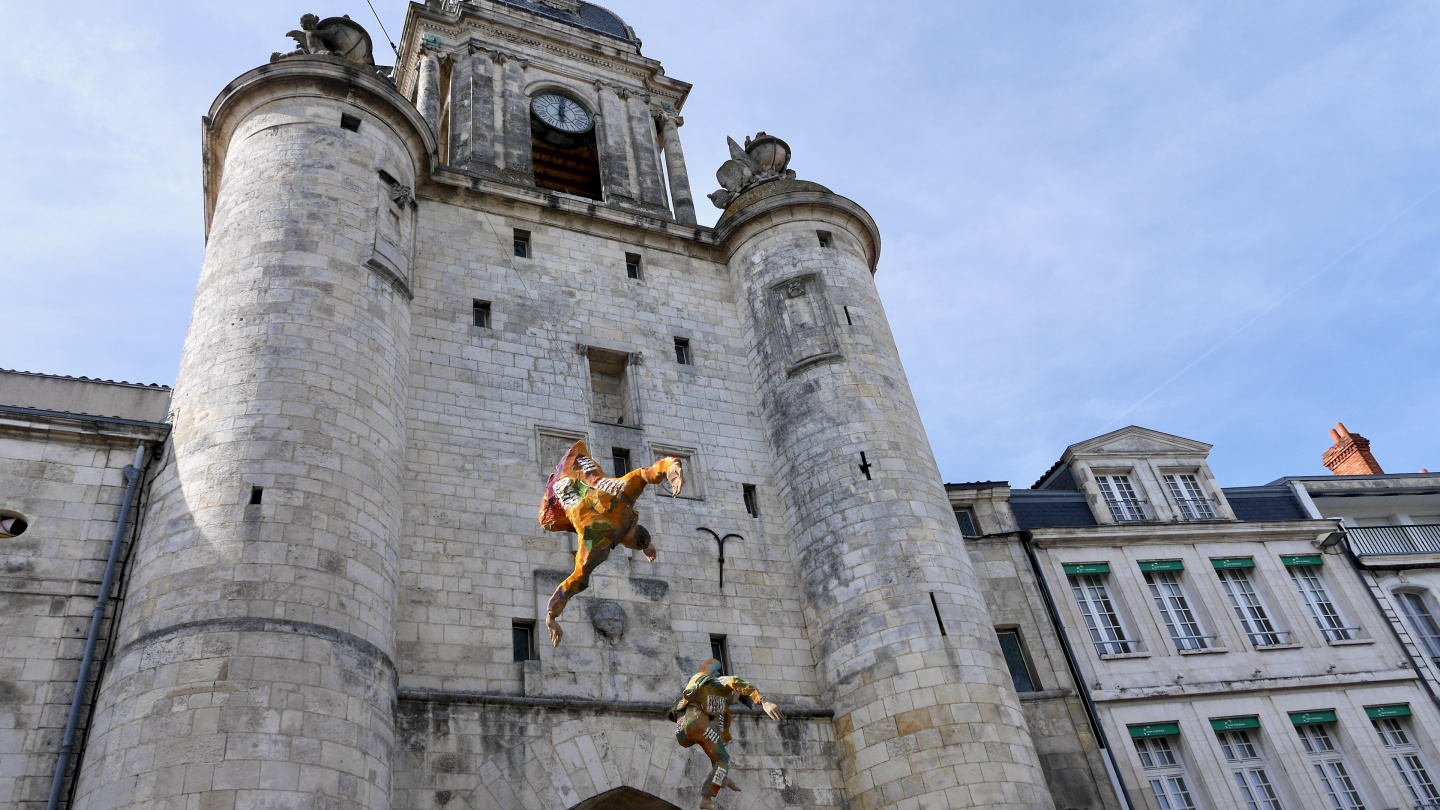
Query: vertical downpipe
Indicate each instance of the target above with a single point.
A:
(132, 478)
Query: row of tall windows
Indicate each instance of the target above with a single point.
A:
(1105, 623)
(1126, 505)
(1159, 749)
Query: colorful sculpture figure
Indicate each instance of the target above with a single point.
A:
(702, 717)
(601, 512)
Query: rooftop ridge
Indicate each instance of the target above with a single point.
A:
(154, 386)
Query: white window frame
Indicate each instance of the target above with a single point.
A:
(1328, 762)
(1190, 496)
(1165, 772)
(1405, 755)
(1310, 584)
(1101, 614)
(1122, 497)
(1180, 619)
(1249, 769)
(1416, 607)
(1256, 618)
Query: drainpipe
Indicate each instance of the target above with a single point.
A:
(1111, 766)
(132, 477)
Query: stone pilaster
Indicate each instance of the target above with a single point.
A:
(613, 136)
(427, 97)
(516, 137)
(651, 187)
(473, 94)
(680, 195)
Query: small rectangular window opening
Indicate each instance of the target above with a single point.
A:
(522, 244)
(966, 519)
(825, 239)
(256, 493)
(522, 635)
(632, 265)
(682, 351)
(752, 499)
(621, 460)
(938, 620)
(720, 651)
(350, 122)
(1015, 660)
(482, 314)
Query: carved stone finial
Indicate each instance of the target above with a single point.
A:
(764, 158)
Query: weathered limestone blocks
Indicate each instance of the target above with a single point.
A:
(255, 662)
(922, 715)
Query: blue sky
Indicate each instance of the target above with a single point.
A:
(1218, 220)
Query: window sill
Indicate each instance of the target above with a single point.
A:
(1118, 656)
(1350, 642)
(1268, 647)
(613, 425)
(1208, 651)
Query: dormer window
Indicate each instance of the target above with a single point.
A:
(1189, 497)
(1125, 505)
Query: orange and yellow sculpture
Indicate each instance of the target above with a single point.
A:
(702, 717)
(601, 512)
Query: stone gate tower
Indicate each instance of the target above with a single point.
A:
(416, 293)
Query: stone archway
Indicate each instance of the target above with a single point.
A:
(625, 798)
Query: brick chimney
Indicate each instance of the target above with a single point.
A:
(1351, 454)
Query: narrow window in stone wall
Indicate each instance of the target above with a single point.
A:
(1165, 772)
(610, 400)
(682, 351)
(826, 239)
(1125, 505)
(966, 519)
(522, 636)
(620, 461)
(1308, 583)
(1329, 765)
(1248, 767)
(1404, 753)
(752, 499)
(12, 525)
(632, 266)
(349, 122)
(1417, 612)
(1015, 659)
(482, 314)
(1102, 620)
(720, 651)
(1190, 497)
(522, 244)
(257, 494)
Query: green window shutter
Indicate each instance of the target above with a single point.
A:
(1162, 565)
(1235, 723)
(1302, 559)
(1398, 710)
(1306, 718)
(1233, 562)
(1087, 568)
(1155, 730)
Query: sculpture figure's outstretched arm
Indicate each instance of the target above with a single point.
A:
(666, 469)
(744, 687)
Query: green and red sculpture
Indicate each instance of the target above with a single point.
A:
(702, 717)
(601, 512)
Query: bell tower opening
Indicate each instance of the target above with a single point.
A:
(562, 145)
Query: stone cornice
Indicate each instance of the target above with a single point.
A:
(77, 426)
(738, 226)
(1131, 534)
(1191, 691)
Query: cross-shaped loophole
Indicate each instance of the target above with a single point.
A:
(865, 467)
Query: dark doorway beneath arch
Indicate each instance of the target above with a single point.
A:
(625, 798)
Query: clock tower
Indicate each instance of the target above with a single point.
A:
(419, 288)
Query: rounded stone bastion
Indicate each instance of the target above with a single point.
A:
(255, 654)
(925, 711)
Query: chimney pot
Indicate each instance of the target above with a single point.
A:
(1334, 435)
(1340, 426)
(1351, 454)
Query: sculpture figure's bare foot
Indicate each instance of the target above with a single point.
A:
(555, 632)
(707, 803)
(730, 783)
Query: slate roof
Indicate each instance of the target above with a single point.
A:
(1264, 503)
(590, 16)
(157, 386)
(1046, 509)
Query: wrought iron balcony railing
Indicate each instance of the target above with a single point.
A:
(1192, 509)
(1128, 510)
(1377, 540)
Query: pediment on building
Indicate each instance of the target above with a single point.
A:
(1138, 442)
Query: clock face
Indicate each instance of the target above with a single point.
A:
(562, 112)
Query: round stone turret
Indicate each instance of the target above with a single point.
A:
(253, 665)
(925, 712)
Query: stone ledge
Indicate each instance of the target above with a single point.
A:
(586, 704)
